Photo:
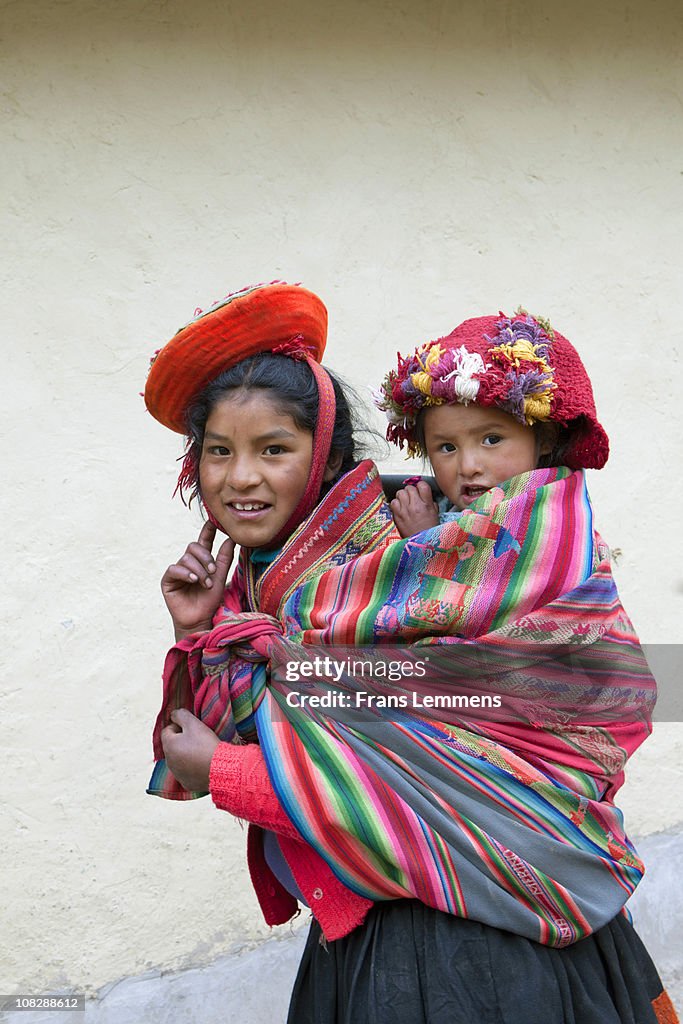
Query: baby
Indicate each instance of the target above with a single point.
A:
(495, 398)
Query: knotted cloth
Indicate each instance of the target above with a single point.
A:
(506, 820)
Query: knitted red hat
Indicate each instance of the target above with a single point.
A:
(254, 320)
(519, 364)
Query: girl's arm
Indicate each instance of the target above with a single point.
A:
(193, 586)
(236, 776)
(239, 783)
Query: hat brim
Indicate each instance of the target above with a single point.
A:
(247, 325)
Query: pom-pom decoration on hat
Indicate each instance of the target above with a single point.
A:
(519, 364)
(245, 323)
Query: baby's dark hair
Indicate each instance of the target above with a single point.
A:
(293, 389)
(558, 438)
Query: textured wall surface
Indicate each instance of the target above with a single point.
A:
(414, 163)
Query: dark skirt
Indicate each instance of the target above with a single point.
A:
(409, 964)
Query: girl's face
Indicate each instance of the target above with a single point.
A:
(472, 449)
(254, 466)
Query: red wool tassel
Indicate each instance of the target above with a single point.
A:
(295, 348)
(188, 473)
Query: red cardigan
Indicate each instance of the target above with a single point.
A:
(239, 783)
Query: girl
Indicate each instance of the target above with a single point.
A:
(269, 432)
(453, 865)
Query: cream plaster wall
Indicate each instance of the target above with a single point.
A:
(414, 163)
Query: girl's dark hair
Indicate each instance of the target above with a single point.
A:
(292, 387)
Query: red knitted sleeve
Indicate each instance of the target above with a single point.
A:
(239, 783)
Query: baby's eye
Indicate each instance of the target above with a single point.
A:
(492, 439)
(447, 447)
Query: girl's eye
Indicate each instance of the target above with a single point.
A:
(218, 449)
(447, 447)
(274, 449)
(492, 439)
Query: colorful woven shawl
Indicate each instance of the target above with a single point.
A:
(506, 820)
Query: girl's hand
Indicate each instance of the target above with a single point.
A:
(414, 509)
(188, 748)
(193, 586)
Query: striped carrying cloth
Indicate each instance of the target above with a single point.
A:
(506, 819)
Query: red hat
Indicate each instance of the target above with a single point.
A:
(519, 364)
(256, 319)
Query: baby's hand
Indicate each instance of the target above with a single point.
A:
(188, 748)
(193, 586)
(414, 509)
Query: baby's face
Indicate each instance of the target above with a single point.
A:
(472, 449)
